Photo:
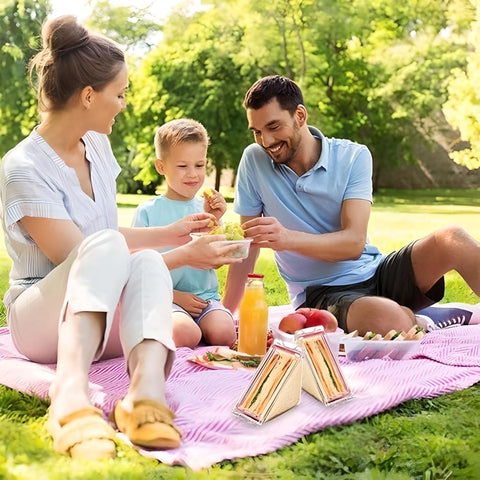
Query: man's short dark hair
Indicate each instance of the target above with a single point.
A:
(286, 91)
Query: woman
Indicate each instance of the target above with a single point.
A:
(81, 289)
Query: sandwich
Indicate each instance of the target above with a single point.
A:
(322, 377)
(276, 386)
(415, 333)
(224, 357)
(372, 336)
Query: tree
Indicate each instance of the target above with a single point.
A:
(135, 29)
(382, 68)
(463, 106)
(192, 74)
(371, 71)
(21, 23)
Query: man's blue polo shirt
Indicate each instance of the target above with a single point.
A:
(311, 203)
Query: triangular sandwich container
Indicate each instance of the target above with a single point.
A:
(322, 374)
(276, 386)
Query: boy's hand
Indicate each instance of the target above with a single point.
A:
(214, 203)
(189, 302)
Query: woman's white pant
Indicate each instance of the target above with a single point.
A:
(134, 290)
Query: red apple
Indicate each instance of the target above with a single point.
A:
(292, 322)
(270, 338)
(317, 317)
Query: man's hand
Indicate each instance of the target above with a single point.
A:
(267, 232)
(346, 243)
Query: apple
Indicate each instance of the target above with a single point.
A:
(317, 317)
(292, 322)
(270, 339)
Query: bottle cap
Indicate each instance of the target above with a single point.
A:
(255, 275)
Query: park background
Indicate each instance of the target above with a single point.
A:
(400, 77)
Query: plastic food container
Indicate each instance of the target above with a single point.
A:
(322, 374)
(357, 349)
(276, 386)
(240, 252)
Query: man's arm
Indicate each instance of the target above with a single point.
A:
(345, 244)
(237, 276)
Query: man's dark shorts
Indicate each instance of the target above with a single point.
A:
(393, 279)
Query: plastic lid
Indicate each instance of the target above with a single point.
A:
(255, 275)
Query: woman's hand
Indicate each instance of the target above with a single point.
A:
(174, 234)
(194, 223)
(214, 203)
(202, 253)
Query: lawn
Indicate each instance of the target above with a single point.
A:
(429, 439)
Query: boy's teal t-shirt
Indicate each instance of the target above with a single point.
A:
(160, 211)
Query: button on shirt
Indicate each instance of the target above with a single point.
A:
(35, 182)
(311, 203)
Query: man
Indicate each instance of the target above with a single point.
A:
(308, 198)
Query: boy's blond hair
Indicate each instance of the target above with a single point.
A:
(178, 131)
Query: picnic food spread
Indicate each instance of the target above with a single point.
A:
(394, 344)
(306, 318)
(231, 230)
(322, 376)
(276, 386)
(208, 192)
(308, 360)
(253, 317)
(226, 358)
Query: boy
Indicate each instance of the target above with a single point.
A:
(181, 150)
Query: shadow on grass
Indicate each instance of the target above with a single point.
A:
(451, 197)
(383, 197)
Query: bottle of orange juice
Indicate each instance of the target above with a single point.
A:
(253, 317)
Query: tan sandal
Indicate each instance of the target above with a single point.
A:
(149, 424)
(83, 434)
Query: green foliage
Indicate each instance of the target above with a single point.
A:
(20, 24)
(462, 108)
(137, 31)
(369, 73)
(134, 27)
(203, 64)
(377, 72)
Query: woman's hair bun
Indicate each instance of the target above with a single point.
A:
(64, 34)
(72, 58)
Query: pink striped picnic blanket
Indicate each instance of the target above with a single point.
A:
(203, 399)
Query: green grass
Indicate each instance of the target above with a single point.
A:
(427, 439)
